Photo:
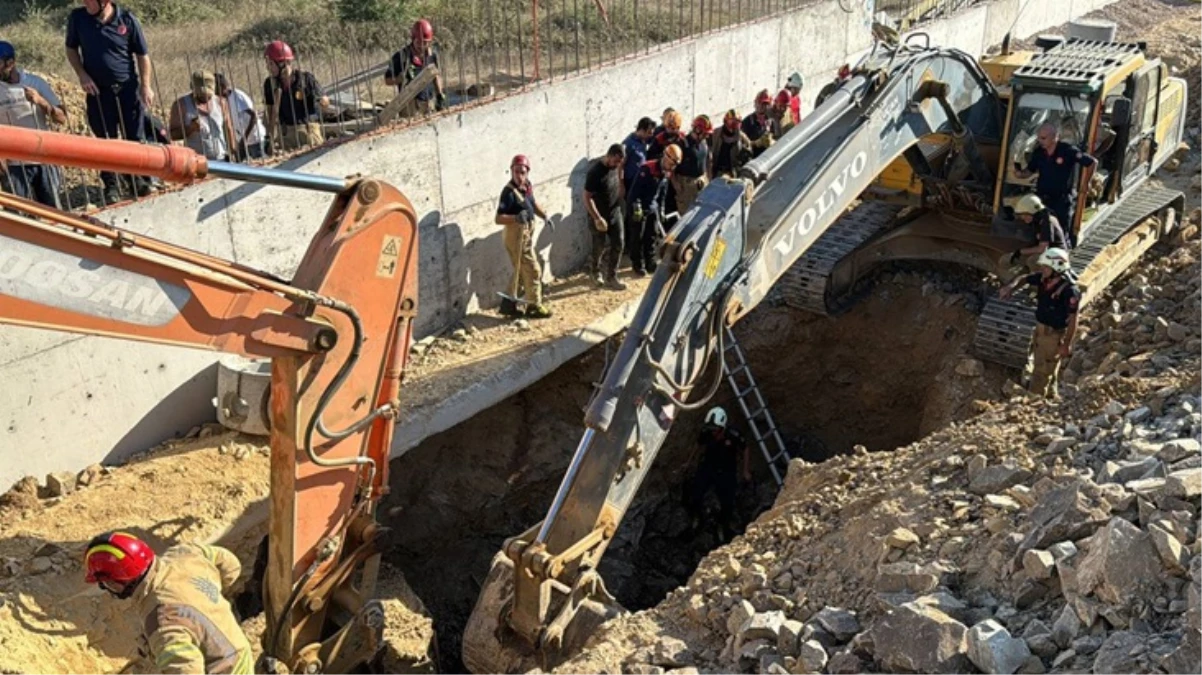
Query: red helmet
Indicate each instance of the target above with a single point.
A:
(783, 98)
(277, 51)
(117, 557)
(763, 97)
(702, 124)
(520, 160)
(422, 28)
(844, 71)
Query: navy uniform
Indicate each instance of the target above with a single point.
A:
(1057, 301)
(722, 449)
(645, 204)
(1056, 185)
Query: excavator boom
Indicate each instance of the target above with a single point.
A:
(543, 596)
(334, 391)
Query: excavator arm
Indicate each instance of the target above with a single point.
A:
(543, 596)
(337, 334)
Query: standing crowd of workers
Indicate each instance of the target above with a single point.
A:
(634, 194)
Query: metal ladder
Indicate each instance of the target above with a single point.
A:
(755, 410)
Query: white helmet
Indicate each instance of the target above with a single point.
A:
(716, 417)
(1057, 259)
(1029, 205)
(795, 80)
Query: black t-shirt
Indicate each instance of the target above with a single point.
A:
(696, 154)
(726, 150)
(299, 101)
(1048, 229)
(755, 127)
(603, 184)
(722, 450)
(106, 49)
(1056, 300)
(1056, 170)
(514, 200)
(405, 60)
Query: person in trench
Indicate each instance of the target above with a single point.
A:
(725, 458)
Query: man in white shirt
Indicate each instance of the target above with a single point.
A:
(27, 100)
(248, 128)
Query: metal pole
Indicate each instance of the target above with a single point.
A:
(561, 494)
(537, 47)
(255, 174)
(521, 49)
(476, 46)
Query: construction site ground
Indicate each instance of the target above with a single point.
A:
(926, 477)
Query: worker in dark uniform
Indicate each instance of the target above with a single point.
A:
(669, 135)
(109, 54)
(295, 101)
(603, 201)
(1058, 300)
(723, 451)
(729, 146)
(408, 63)
(759, 126)
(637, 144)
(646, 211)
(1048, 233)
(691, 177)
(516, 211)
(1056, 163)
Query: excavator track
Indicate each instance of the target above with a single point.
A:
(1005, 328)
(805, 285)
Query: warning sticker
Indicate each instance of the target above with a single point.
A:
(390, 255)
(711, 265)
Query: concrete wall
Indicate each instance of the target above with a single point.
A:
(72, 400)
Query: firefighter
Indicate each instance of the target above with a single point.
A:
(1048, 233)
(516, 211)
(724, 458)
(782, 112)
(1057, 300)
(729, 146)
(295, 101)
(1056, 163)
(408, 63)
(691, 177)
(669, 135)
(646, 210)
(759, 126)
(188, 626)
(793, 85)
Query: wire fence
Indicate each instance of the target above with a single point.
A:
(487, 49)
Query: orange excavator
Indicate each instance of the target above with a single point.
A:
(338, 335)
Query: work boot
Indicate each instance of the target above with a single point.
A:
(538, 312)
(651, 267)
(599, 279)
(509, 308)
(614, 284)
(638, 272)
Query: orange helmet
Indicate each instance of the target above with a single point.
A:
(784, 98)
(703, 125)
(732, 120)
(673, 152)
(673, 121)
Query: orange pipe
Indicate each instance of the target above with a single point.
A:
(171, 163)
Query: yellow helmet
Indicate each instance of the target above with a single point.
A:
(673, 152)
(673, 121)
(1029, 205)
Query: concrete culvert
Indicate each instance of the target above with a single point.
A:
(880, 376)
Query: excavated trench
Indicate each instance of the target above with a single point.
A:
(880, 376)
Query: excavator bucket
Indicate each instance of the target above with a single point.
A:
(490, 645)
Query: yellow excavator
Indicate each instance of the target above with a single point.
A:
(910, 158)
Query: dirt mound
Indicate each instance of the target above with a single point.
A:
(883, 561)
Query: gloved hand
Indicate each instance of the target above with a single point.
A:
(1016, 257)
(440, 103)
(524, 217)
(637, 212)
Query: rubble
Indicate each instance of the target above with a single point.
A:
(992, 649)
(914, 638)
(1121, 564)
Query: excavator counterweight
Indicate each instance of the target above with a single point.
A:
(334, 391)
